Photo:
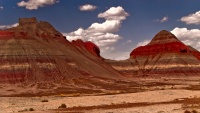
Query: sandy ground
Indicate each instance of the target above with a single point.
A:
(15, 104)
(157, 96)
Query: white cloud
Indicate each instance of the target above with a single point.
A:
(87, 7)
(1, 7)
(35, 4)
(192, 18)
(8, 26)
(102, 34)
(107, 26)
(164, 19)
(143, 43)
(114, 13)
(100, 38)
(189, 37)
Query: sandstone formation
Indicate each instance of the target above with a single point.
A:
(164, 55)
(89, 46)
(35, 52)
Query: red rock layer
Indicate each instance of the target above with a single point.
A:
(171, 47)
(6, 34)
(91, 47)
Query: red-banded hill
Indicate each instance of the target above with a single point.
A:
(164, 55)
(36, 54)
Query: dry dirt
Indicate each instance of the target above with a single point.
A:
(154, 95)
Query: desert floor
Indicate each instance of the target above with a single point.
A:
(158, 95)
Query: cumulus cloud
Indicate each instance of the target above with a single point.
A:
(102, 34)
(35, 4)
(100, 38)
(189, 37)
(107, 26)
(143, 43)
(1, 7)
(114, 13)
(8, 26)
(87, 7)
(192, 18)
(164, 19)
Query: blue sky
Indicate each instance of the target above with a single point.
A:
(99, 20)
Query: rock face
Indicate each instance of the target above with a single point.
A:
(164, 55)
(27, 21)
(35, 52)
(89, 46)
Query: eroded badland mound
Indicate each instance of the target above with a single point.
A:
(164, 55)
(36, 54)
(87, 46)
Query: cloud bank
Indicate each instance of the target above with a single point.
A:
(191, 18)
(35, 4)
(8, 26)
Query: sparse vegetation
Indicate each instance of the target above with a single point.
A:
(44, 101)
(31, 109)
(186, 111)
(62, 106)
(193, 111)
(23, 110)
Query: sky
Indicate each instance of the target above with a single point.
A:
(116, 26)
